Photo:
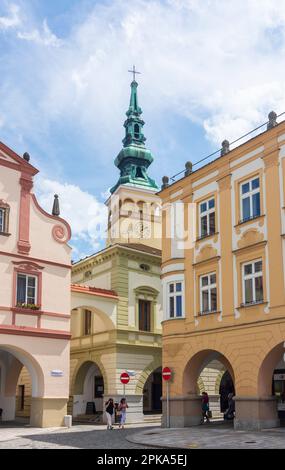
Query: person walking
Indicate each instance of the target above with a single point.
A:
(109, 410)
(123, 410)
(205, 407)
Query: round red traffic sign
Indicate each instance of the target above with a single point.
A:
(125, 378)
(166, 373)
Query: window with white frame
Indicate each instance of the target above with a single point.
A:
(252, 282)
(26, 289)
(250, 199)
(4, 217)
(208, 293)
(2, 220)
(207, 218)
(175, 295)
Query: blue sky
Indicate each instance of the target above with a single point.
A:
(210, 70)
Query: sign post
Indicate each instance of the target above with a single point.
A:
(166, 375)
(124, 378)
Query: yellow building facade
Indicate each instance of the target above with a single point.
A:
(223, 280)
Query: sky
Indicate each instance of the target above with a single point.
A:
(210, 70)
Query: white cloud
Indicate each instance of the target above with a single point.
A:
(220, 64)
(43, 37)
(12, 19)
(86, 215)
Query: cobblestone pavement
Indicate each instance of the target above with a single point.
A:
(78, 437)
(138, 437)
(217, 436)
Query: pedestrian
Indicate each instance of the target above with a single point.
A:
(123, 410)
(230, 412)
(205, 407)
(109, 409)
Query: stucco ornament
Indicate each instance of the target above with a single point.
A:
(60, 234)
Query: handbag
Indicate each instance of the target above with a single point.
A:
(209, 413)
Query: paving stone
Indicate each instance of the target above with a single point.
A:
(213, 436)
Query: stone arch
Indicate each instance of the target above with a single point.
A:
(110, 325)
(218, 381)
(267, 367)
(146, 291)
(80, 372)
(197, 363)
(201, 385)
(22, 358)
(155, 364)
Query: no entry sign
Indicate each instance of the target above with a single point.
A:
(166, 373)
(125, 378)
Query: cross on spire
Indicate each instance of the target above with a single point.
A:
(134, 72)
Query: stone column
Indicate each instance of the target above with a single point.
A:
(24, 214)
(184, 411)
(48, 412)
(225, 216)
(272, 191)
(256, 413)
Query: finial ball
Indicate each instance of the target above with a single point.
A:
(26, 156)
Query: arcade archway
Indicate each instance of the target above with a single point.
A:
(12, 393)
(271, 385)
(88, 388)
(207, 371)
(152, 393)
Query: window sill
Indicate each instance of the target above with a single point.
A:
(28, 311)
(252, 304)
(208, 312)
(199, 239)
(251, 219)
(5, 234)
(172, 319)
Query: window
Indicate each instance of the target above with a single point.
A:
(207, 218)
(175, 299)
(208, 293)
(87, 322)
(21, 397)
(2, 220)
(137, 131)
(144, 315)
(26, 289)
(252, 282)
(98, 386)
(145, 267)
(4, 217)
(250, 199)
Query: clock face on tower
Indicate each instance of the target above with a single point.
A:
(142, 230)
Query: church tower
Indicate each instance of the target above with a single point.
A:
(134, 213)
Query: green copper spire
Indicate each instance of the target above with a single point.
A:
(134, 159)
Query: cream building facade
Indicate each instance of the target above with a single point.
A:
(223, 280)
(34, 299)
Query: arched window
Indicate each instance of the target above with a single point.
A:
(137, 131)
